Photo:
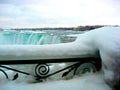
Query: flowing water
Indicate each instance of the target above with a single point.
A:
(9, 37)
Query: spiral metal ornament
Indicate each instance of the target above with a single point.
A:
(41, 70)
(84, 68)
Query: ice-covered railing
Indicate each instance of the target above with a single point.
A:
(40, 68)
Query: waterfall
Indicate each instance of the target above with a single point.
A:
(56, 39)
(7, 38)
(34, 38)
(31, 38)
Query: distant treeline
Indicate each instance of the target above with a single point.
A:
(46, 28)
(84, 28)
(78, 28)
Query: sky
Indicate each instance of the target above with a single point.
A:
(58, 13)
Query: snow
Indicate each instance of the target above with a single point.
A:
(86, 82)
(103, 42)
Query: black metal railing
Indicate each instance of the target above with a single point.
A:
(42, 68)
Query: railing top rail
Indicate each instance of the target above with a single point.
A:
(34, 61)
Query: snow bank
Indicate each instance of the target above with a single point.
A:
(87, 82)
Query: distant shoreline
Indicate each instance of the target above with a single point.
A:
(78, 28)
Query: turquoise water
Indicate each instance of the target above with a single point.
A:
(27, 38)
(34, 37)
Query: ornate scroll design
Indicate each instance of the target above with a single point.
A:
(42, 70)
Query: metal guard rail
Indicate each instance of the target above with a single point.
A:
(78, 64)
